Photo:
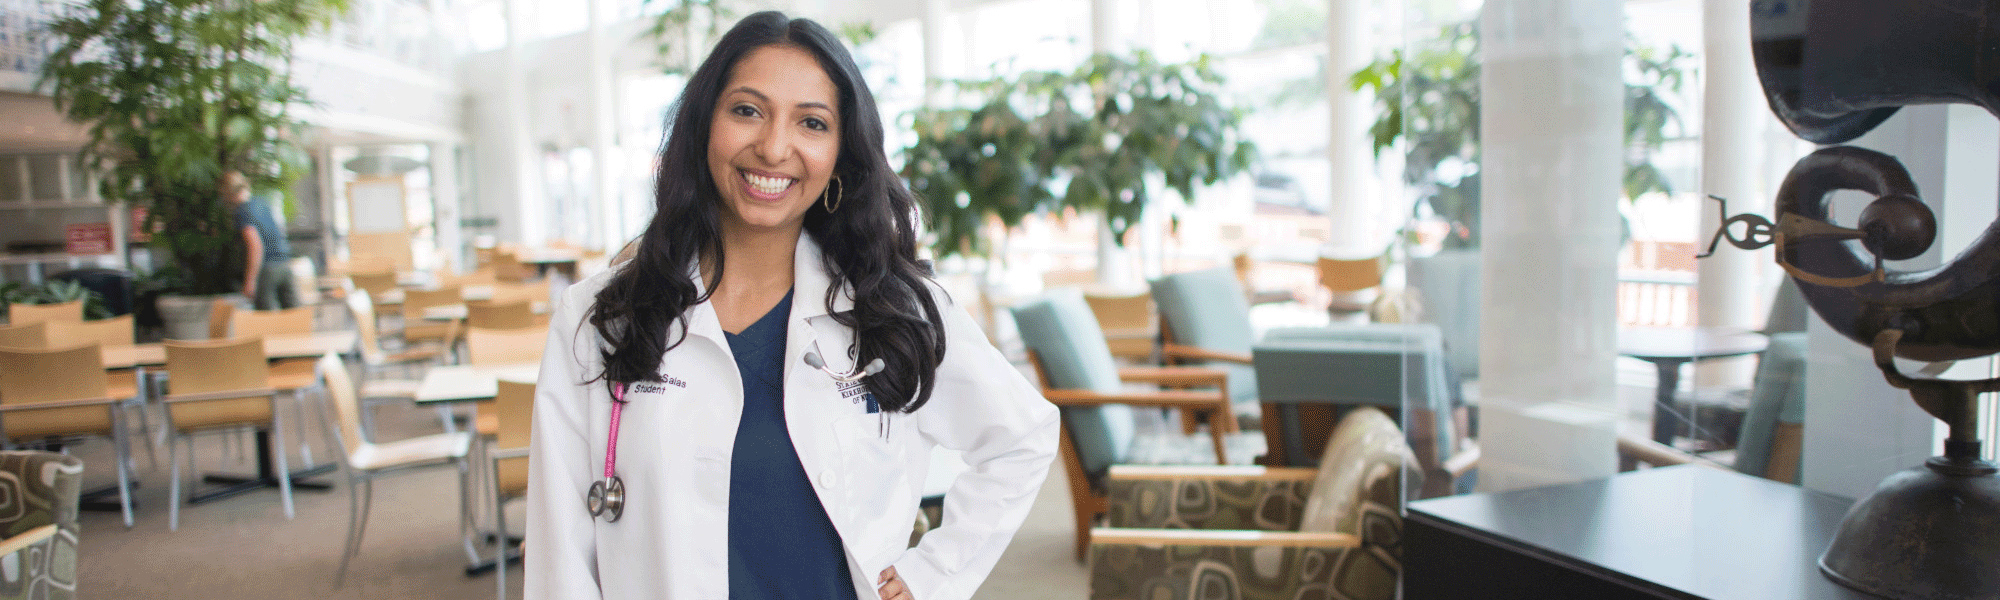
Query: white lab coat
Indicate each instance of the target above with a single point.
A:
(676, 438)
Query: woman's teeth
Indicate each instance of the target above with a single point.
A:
(768, 185)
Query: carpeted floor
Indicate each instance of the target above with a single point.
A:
(243, 547)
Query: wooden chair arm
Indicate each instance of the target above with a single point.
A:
(1210, 399)
(223, 395)
(26, 539)
(1459, 464)
(74, 402)
(1231, 472)
(1660, 455)
(1175, 376)
(1172, 350)
(1218, 537)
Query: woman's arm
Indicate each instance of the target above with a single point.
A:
(561, 534)
(984, 407)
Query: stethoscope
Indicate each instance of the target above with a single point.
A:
(607, 495)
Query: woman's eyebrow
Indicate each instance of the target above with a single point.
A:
(761, 97)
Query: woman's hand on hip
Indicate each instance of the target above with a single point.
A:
(891, 587)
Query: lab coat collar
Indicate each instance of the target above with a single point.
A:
(809, 283)
(810, 280)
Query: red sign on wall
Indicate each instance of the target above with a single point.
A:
(89, 238)
(140, 234)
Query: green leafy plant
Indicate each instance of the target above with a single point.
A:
(175, 93)
(1098, 133)
(56, 292)
(1429, 101)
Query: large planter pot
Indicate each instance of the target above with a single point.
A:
(1448, 283)
(186, 317)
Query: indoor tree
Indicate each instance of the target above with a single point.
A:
(175, 93)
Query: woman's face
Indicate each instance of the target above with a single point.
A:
(774, 139)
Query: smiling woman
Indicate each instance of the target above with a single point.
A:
(780, 236)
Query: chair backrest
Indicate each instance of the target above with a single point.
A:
(53, 375)
(390, 246)
(1381, 364)
(112, 332)
(1208, 309)
(1350, 275)
(1359, 491)
(200, 367)
(218, 367)
(415, 301)
(514, 404)
(512, 291)
(31, 335)
(362, 308)
(290, 321)
(221, 313)
(481, 276)
(340, 392)
(1071, 353)
(43, 489)
(22, 314)
(500, 315)
(375, 282)
(505, 346)
(1769, 446)
(1131, 324)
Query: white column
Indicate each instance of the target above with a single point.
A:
(1857, 428)
(603, 131)
(445, 204)
(1551, 122)
(524, 224)
(1114, 263)
(935, 14)
(1354, 203)
(1734, 117)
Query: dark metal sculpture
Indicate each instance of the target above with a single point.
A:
(1832, 70)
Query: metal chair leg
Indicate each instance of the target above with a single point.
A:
(122, 448)
(354, 517)
(284, 473)
(174, 487)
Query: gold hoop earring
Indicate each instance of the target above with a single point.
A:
(832, 202)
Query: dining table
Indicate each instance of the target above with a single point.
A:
(447, 385)
(1669, 348)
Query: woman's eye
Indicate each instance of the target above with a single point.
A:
(744, 110)
(815, 124)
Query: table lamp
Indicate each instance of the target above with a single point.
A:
(1832, 70)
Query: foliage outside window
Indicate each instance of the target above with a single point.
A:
(1098, 134)
(175, 93)
(1429, 101)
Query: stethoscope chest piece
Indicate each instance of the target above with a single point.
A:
(607, 499)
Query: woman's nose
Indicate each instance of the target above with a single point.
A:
(770, 143)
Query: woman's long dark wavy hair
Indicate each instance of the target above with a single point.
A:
(869, 244)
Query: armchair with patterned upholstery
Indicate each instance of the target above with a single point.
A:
(1262, 533)
(39, 493)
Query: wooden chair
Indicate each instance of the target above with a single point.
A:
(1076, 371)
(514, 314)
(1354, 282)
(23, 314)
(1131, 324)
(418, 329)
(106, 333)
(296, 374)
(365, 460)
(375, 389)
(514, 406)
(220, 314)
(510, 292)
(501, 347)
(1333, 532)
(376, 283)
(55, 395)
(30, 335)
(221, 385)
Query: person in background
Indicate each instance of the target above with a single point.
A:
(267, 276)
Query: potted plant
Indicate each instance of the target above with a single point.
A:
(1100, 133)
(55, 292)
(175, 93)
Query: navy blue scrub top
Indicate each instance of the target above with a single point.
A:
(781, 544)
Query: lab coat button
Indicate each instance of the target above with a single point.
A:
(826, 479)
